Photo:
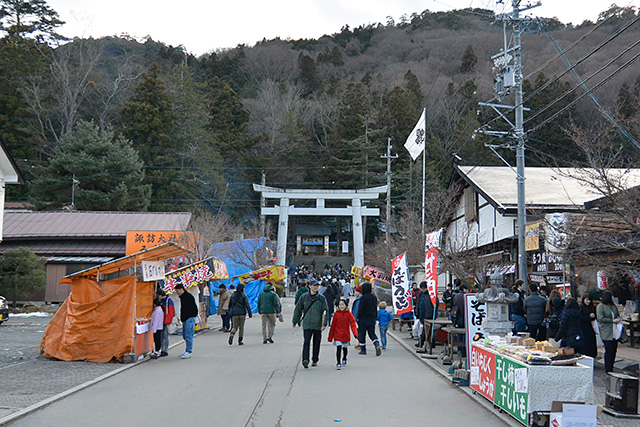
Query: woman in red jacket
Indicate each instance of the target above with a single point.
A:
(342, 321)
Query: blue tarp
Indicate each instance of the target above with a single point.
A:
(239, 256)
(252, 289)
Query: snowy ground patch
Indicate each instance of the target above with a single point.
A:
(34, 314)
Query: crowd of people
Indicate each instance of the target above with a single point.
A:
(566, 322)
(330, 300)
(327, 299)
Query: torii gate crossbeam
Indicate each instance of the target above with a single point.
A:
(357, 211)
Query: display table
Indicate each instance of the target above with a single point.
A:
(632, 325)
(453, 339)
(434, 326)
(521, 389)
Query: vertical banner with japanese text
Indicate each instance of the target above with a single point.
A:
(474, 314)
(400, 288)
(511, 388)
(483, 372)
(431, 248)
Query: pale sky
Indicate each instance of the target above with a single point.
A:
(201, 25)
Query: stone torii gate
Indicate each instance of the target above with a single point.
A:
(357, 211)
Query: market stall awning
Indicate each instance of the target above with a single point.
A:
(157, 253)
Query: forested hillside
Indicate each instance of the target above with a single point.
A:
(146, 126)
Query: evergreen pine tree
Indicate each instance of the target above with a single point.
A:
(108, 170)
(627, 103)
(148, 123)
(307, 74)
(469, 60)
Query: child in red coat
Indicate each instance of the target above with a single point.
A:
(342, 321)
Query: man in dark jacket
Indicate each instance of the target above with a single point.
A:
(269, 308)
(425, 311)
(447, 296)
(240, 307)
(534, 308)
(188, 314)
(330, 295)
(367, 314)
(516, 309)
(312, 310)
(458, 307)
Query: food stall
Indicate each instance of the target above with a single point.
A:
(516, 373)
(106, 316)
(522, 379)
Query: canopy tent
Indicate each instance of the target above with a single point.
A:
(240, 256)
(156, 253)
(103, 320)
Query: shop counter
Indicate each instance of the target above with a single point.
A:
(521, 389)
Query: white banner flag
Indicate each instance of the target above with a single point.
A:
(416, 141)
(400, 287)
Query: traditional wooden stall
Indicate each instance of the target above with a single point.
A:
(106, 316)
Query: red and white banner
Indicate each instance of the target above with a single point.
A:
(400, 288)
(431, 248)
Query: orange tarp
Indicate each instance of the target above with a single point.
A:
(96, 322)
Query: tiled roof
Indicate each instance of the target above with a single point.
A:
(89, 224)
(57, 247)
(562, 188)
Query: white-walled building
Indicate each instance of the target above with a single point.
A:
(9, 174)
(485, 217)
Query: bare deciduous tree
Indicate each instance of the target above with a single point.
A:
(208, 228)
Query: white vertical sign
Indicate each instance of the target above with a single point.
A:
(474, 316)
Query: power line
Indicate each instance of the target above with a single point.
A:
(571, 46)
(625, 65)
(584, 58)
(561, 97)
(592, 96)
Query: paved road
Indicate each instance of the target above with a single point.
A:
(265, 385)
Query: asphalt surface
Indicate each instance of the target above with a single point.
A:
(254, 384)
(27, 378)
(265, 385)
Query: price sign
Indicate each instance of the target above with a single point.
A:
(152, 270)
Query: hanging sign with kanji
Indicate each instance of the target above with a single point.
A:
(432, 246)
(196, 273)
(372, 273)
(269, 274)
(138, 240)
(400, 288)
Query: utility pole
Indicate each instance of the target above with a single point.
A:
(389, 157)
(263, 218)
(74, 182)
(510, 79)
(519, 136)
